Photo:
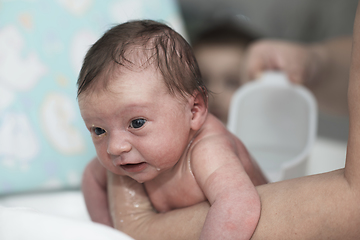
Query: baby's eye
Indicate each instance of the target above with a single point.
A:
(98, 131)
(137, 123)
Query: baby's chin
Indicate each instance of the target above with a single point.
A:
(142, 179)
(144, 176)
(141, 173)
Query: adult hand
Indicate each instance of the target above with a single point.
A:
(323, 67)
(300, 62)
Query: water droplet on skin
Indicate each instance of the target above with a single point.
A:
(131, 192)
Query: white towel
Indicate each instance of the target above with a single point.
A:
(28, 224)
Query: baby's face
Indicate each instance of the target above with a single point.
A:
(138, 128)
(220, 66)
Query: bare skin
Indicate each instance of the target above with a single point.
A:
(322, 67)
(323, 206)
(181, 154)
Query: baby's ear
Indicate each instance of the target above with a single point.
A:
(199, 110)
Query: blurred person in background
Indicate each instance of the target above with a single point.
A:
(309, 40)
(230, 54)
(220, 50)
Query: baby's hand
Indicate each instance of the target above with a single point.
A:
(299, 61)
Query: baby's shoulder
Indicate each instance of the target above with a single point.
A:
(213, 126)
(212, 151)
(215, 139)
(215, 132)
(211, 144)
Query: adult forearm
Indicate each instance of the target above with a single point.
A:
(180, 224)
(353, 147)
(133, 214)
(314, 207)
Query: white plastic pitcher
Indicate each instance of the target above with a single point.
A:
(277, 122)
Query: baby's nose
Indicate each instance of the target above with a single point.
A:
(118, 144)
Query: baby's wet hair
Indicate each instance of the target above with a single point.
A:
(139, 44)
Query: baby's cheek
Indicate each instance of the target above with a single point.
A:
(104, 159)
(110, 167)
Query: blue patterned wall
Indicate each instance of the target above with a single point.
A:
(43, 141)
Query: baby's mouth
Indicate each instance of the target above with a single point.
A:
(134, 167)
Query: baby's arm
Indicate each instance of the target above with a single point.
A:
(94, 188)
(235, 203)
